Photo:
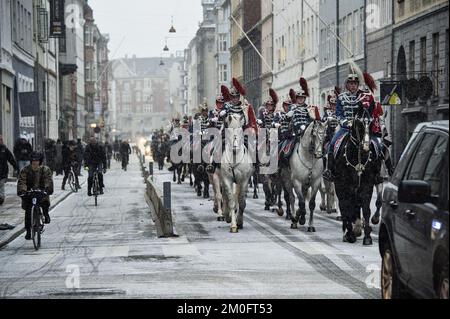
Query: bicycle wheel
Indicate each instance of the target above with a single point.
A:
(72, 182)
(96, 188)
(35, 228)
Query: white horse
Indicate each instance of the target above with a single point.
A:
(235, 172)
(307, 169)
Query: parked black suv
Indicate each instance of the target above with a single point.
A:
(413, 238)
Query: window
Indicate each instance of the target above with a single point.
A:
(416, 168)
(423, 54)
(436, 62)
(412, 58)
(435, 166)
(223, 45)
(223, 73)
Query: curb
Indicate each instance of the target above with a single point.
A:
(17, 233)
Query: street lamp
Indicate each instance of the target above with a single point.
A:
(172, 29)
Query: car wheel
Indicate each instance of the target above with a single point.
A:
(443, 284)
(390, 284)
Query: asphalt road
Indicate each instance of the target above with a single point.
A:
(112, 251)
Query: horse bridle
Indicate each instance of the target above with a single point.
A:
(360, 167)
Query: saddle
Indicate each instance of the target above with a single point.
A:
(286, 148)
(340, 142)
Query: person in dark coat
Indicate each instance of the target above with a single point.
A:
(35, 176)
(5, 158)
(95, 159)
(22, 152)
(59, 158)
(70, 159)
(80, 154)
(50, 154)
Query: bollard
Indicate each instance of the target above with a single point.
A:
(167, 196)
(150, 168)
(143, 159)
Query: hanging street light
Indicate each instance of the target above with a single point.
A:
(166, 48)
(172, 29)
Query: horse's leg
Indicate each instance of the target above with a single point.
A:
(279, 192)
(255, 184)
(289, 198)
(323, 196)
(206, 185)
(218, 197)
(241, 191)
(345, 206)
(180, 168)
(232, 207)
(301, 212)
(378, 204)
(312, 206)
(175, 174)
(367, 196)
(358, 228)
(267, 193)
(226, 205)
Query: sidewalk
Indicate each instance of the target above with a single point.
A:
(12, 213)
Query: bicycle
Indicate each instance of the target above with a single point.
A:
(95, 185)
(37, 216)
(72, 180)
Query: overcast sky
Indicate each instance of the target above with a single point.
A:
(142, 25)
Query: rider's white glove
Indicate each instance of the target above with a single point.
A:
(259, 122)
(277, 125)
(223, 113)
(290, 114)
(214, 119)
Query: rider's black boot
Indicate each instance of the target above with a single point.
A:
(328, 174)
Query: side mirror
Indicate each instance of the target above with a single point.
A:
(414, 192)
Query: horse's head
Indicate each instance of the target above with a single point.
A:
(360, 128)
(234, 123)
(314, 137)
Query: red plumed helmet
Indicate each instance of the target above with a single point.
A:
(225, 93)
(304, 85)
(292, 95)
(370, 82)
(237, 85)
(274, 96)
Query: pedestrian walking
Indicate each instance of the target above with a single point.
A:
(22, 152)
(50, 154)
(5, 158)
(59, 158)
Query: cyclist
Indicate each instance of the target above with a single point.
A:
(95, 158)
(35, 177)
(70, 160)
(125, 151)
